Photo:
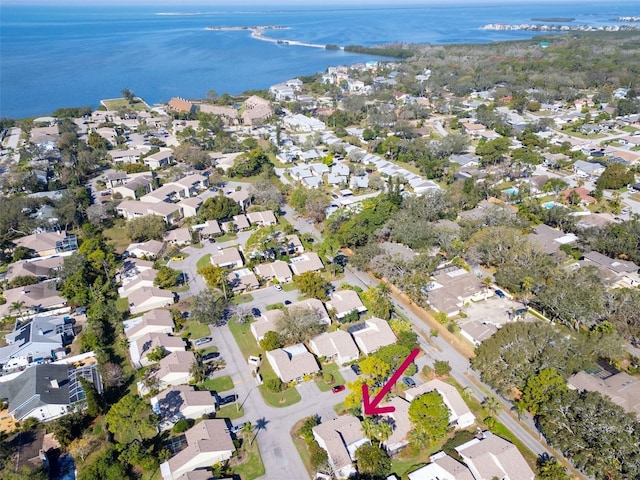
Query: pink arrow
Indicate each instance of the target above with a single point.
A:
(371, 406)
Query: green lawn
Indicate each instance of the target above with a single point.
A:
(204, 261)
(252, 467)
(122, 305)
(246, 342)
(332, 369)
(117, 235)
(303, 451)
(195, 329)
(221, 384)
(228, 236)
(230, 411)
(123, 103)
(244, 298)
(402, 467)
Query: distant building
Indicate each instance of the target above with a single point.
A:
(181, 105)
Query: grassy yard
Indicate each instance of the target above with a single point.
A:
(331, 369)
(195, 329)
(402, 467)
(122, 305)
(251, 466)
(228, 236)
(244, 298)
(123, 103)
(230, 411)
(244, 338)
(117, 235)
(204, 261)
(220, 384)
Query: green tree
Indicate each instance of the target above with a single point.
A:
(216, 277)
(376, 428)
(94, 400)
(148, 227)
(312, 284)
(68, 427)
(218, 208)
(429, 417)
(493, 151)
(540, 388)
(299, 324)
(271, 341)
(441, 368)
(373, 462)
(166, 277)
(131, 418)
(209, 307)
(550, 469)
(374, 369)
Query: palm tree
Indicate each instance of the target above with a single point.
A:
(492, 405)
(17, 306)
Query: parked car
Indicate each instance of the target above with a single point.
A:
(521, 311)
(201, 341)
(177, 258)
(356, 368)
(210, 356)
(255, 312)
(237, 428)
(500, 294)
(277, 287)
(337, 388)
(287, 302)
(227, 400)
(408, 381)
(212, 240)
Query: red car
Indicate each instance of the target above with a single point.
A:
(337, 388)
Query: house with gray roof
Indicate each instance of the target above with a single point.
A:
(336, 346)
(550, 240)
(372, 335)
(340, 438)
(183, 401)
(344, 302)
(620, 387)
(587, 169)
(442, 467)
(48, 391)
(292, 363)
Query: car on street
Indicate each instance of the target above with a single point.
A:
(201, 341)
(237, 428)
(408, 381)
(500, 294)
(227, 400)
(337, 388)
(521, 311)
(255, 312)
(277, 287)
(210, 356)
(356, 368)
(287, 302)
(212, 240)
(177, 258)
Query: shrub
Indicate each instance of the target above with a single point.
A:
(442, 368)
(327, 378)
(274, 385)
(181, 426)
(427, 371)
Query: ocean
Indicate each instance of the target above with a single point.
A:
(53, 57)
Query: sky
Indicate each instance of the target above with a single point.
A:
(213, 3)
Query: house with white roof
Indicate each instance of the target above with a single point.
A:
(180, 237)
(159, 159)
(344, 302)
(460, 416)
(144, 345)
(149, 249)
(400, 425)
(208, 442)
(372, 335)
(442, 467)
(340, 438)
(587, 169)
(262, 219)
(266, 323)
(242, 280)
(131, 283)
(148, 298)
(335, 346)
(292, 363)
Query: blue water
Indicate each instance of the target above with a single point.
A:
(513, 191)
(65, 469)
(549, 205)
(70, 56)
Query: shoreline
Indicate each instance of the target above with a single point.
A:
(257, 33)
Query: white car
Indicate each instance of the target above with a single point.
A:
(277, 287)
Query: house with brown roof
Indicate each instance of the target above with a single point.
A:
(35, 298)
(256, 111)
(46, 244)
(128, 156)
(550, 239)
(277, 270)
(266, 323)
(135, 188)
(582, 192)
(293, 244)
(242, 280)
(181, 105)
(227, 257)
(292, 363)
(192, 184)
(460, 416)
(442, 467)
(208, 442)
(148, 298)
(343, 302)
(340, 438)
(175, 368)
(182, 401)
(372, 335)
(241, 197)
(229, 114)
(492, 457)
(451, 288)
(621, 388)
(144, 345)
(190, 206)
(37, 267)
(131, 209)
(152, 322)
(335, 346)
(400, 425)
(159, 159)
(307, 262)
(210, 228)
(180, 237)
